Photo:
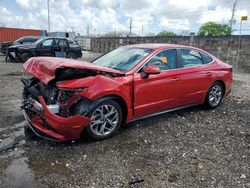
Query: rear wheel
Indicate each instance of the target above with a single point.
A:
(71, 55)
(214, 95)
(25, 56)
(106, 119)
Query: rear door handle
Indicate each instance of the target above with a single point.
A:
(208, 74)
(175, 79)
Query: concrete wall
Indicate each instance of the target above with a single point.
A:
(224, 48)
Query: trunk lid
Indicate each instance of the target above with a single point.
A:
(44, 68)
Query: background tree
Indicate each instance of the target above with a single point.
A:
(166, 34)
(215, 29)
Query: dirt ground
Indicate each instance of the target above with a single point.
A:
(193, 147)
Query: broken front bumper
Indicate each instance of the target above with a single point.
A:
(12, 56)
(51, 126)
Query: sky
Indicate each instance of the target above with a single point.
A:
(102, 16)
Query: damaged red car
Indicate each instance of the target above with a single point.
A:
(66, 99)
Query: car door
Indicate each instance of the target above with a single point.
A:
(156, 92)
(61, 48)
(195, 77)
(44, 48)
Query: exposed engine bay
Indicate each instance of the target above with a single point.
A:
(59, 101)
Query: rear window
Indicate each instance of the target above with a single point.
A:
(190, 58)
(207, 59)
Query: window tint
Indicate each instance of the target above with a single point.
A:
(207, 58)
(29, 40)
(47, 42)
(165, 60)
(191, 58)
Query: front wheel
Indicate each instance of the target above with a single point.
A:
(106, 119)
(25, 56)
(214, 95)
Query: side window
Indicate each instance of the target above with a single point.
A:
(165, 60)
(191, 58)
(62, 43)
(47, 43)
(28, 41)
(70, 42)
(207, 58)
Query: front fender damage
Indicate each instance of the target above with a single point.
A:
(52, 126)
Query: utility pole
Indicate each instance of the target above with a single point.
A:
(142, 30)
(48, 16)
(87, 30)
(130, 27)
(232, 20)
(142, 33)
(243, 18)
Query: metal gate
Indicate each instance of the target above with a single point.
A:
(84, 42)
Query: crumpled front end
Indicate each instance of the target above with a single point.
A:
(48, 111)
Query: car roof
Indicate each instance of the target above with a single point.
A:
(30, 37)
(57, 38)
(155, 46)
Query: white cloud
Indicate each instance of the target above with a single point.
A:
(174, 24)
(190, 5)
(217, 15)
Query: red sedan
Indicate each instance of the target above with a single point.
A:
(65, 98)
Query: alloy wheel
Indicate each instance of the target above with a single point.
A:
(104, 120)
(215, 95)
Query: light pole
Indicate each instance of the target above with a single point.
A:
(243, 18)
(48, 16)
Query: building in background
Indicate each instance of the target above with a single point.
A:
(12, 34)
(71, 35)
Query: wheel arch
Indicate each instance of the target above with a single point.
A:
(120, 102)
(223, 85)
(26, 51)
(91, 103)
(216, 80)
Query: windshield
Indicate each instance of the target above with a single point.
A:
(18, 40)
(122, 59)
(39, 40)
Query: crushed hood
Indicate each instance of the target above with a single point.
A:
(44, 68)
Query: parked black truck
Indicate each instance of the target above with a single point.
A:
(47, 46)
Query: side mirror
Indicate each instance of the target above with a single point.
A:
(151, 70)
(39, 45)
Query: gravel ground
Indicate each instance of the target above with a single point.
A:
(193, 147)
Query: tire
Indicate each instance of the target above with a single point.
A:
(71, 55)
(214, 95)
(25, 56)
(107, 126)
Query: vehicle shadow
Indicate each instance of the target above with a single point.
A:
(165, 116)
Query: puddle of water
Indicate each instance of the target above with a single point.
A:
(26, 163)
(18, 174)
(15, 136)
